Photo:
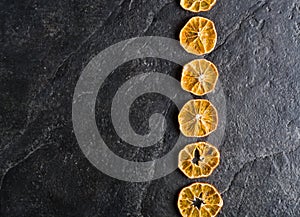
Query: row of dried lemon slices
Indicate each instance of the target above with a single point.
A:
(199, 118)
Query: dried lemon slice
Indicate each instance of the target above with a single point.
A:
(199, 200)
(197, 5)
(198, 118)
(198, 36)
(198, 160)
(199, 77)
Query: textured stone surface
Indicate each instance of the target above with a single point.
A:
(46, 44)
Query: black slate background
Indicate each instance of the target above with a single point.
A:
(46, 44)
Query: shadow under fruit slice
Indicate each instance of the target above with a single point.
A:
(198, 160)
(199, 200)
(198, 118)
(197, 5)
(199, 77)
(198, 36)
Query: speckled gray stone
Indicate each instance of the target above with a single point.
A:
(46, 44)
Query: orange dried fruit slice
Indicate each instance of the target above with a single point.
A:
(199, 200)
(198, 160)
(199, 77)
(198, 118)
(198, 36)
(197, 5)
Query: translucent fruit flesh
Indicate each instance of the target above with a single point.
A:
(199, 200)
(198, 118)
(197, 5)
(199, 77)
(198, 160)
(198, 36)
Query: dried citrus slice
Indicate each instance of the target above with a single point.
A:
(199, 200)
(198, 160)
(198, 118)
(198, 36)
(197, 5)
(199, 77)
